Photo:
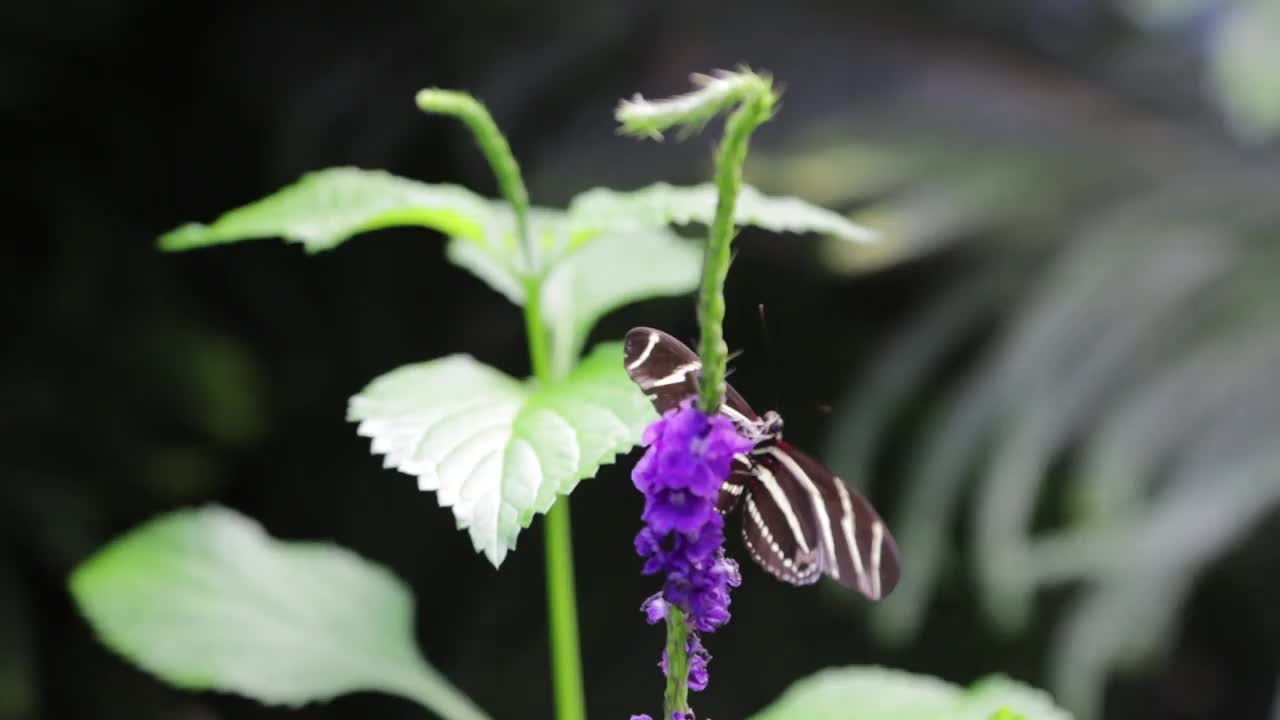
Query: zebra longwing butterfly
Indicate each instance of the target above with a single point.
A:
(800, 520)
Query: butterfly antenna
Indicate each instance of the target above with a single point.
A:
(732, 356)
(768, 351)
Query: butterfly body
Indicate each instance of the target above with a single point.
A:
(799, 520)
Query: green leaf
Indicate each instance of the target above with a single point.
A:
(497, 450)
(495, 272)
(608, 273)
(326, 207)
(863, 693)
(547, 227)
(999, 694)
(206, 600)
(661, 204)
(875, 693)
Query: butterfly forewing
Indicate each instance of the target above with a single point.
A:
(667, 371)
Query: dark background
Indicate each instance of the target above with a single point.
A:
(134, 382)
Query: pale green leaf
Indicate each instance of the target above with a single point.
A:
(863, 693)
(996, 694)
(326, 207)
(484, 265)
(661, 204)
(876, 693)
(207, 600)
(497, 450)
(608, 273)
(547, 226)
(1245, 54)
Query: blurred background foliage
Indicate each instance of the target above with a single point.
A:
(1058, 376)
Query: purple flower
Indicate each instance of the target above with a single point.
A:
(689, 456)
(654, 609)
(669, 509)
(681, 552)
(698, 659)
(688, 450)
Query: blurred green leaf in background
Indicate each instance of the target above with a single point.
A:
(1091, 393)
(875, 693)
(207, 600)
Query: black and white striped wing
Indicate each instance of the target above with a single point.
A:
(667, 371)
(778, 524)
(802, 521)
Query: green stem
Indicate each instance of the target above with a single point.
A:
(676, 698)
(755, 98)
(562, 604)
(563, 615)
(496, 150)
(562, 607)
(536, 331)
(753, 112)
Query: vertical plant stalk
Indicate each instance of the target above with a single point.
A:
(755, 98)
(562, 606)
(496, 150)
(562, 602)
(676, 697)
(732, 155)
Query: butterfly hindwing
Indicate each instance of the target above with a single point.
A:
(853, 546)
(735, 486)
(778, 525)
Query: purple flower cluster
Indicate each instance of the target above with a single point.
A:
(689, 456)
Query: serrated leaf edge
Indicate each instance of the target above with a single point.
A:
(497, 550)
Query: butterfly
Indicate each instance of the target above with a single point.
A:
(799, 521)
